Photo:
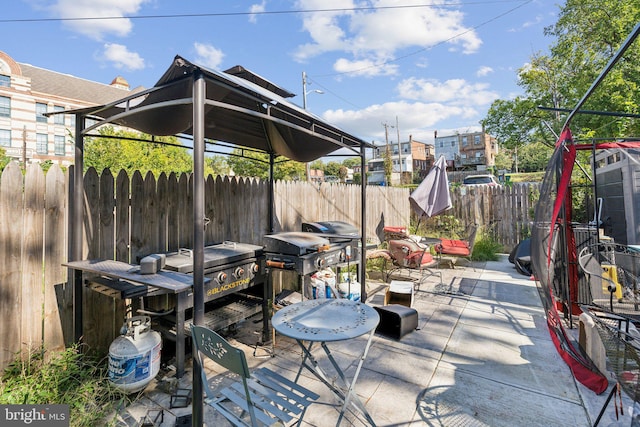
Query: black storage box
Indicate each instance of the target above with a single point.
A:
(396, 320)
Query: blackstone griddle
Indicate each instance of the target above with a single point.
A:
(237, 290)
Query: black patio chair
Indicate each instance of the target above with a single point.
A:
(262, 397)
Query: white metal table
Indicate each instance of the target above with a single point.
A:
(319, 321)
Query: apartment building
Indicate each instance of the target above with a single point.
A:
(411, 161)
(28, 92)
(467, 151)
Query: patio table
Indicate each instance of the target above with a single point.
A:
(321, 321)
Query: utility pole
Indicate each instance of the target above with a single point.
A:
(307, 166)
(387, 150)
(399, 150)
(304, 106)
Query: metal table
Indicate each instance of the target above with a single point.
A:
(319, 321)
(127, 278)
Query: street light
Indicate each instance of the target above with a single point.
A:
(306, 92)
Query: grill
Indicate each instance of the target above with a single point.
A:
(237, 290)
(305, 253)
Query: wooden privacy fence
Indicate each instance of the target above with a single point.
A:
(504, 211)
(128, 217)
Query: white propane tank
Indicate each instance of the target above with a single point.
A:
(134, 356)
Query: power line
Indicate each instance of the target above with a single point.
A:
(410, 54)
(227, 14)
(380, 64)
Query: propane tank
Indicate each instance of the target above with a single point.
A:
(134, 356)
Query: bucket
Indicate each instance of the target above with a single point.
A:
(349, 290)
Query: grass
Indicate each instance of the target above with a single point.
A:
(70, 377)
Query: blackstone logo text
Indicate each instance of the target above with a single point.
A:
(34, 415)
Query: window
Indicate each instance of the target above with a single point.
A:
(41, 109)
(58, 143)
(58, 119)
(464, 141)
(5, 138)
(476, 139)
(453, 143)
(42, 143)
(5, 106)
(5, 81)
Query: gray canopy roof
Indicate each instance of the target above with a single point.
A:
(236, 111)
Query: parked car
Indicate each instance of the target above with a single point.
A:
(486, 179)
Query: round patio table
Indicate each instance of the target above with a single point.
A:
(319, 321)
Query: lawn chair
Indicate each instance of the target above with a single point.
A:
(261, 398)
(461, 248)
(410, 257)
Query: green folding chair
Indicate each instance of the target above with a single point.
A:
(263, 397)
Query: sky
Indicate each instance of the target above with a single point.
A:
(387, 69)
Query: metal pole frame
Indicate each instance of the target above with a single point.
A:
(76, 229)
(362, 266)
(199, 97)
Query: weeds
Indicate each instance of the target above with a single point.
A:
(70, 377)
(486, 249)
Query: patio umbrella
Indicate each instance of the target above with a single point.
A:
(432, 196)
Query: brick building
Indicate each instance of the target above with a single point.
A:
(28, 92)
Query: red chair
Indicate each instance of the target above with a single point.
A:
(458, 247)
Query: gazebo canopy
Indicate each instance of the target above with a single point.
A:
(240, 108)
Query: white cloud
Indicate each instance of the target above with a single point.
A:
(382, 33)
(484, 71)
(122, 58)
(256, 8)
(98, 28)
(421, 117)
(208, 55)
(453, 90)
(366, 68)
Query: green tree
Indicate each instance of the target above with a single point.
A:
(534, 157)
(216, 165)
(388, 165)
(332, 168)
(585, 37)
(504, 160)
(4, 160)
(114, 151)
(351, 162)
(256, 164)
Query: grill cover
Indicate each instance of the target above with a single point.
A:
(294, 243)
(214, 256)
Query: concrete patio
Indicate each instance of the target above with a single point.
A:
(481, 356)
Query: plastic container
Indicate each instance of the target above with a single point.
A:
(134, 357)
(349, 290)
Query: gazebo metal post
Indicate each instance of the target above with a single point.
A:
(77, 222)
(198, 235)
(362, 266)
(271, 191)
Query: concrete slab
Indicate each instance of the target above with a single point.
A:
(481, 356)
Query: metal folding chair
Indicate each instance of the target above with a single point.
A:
(263, 397)
(410, 256)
